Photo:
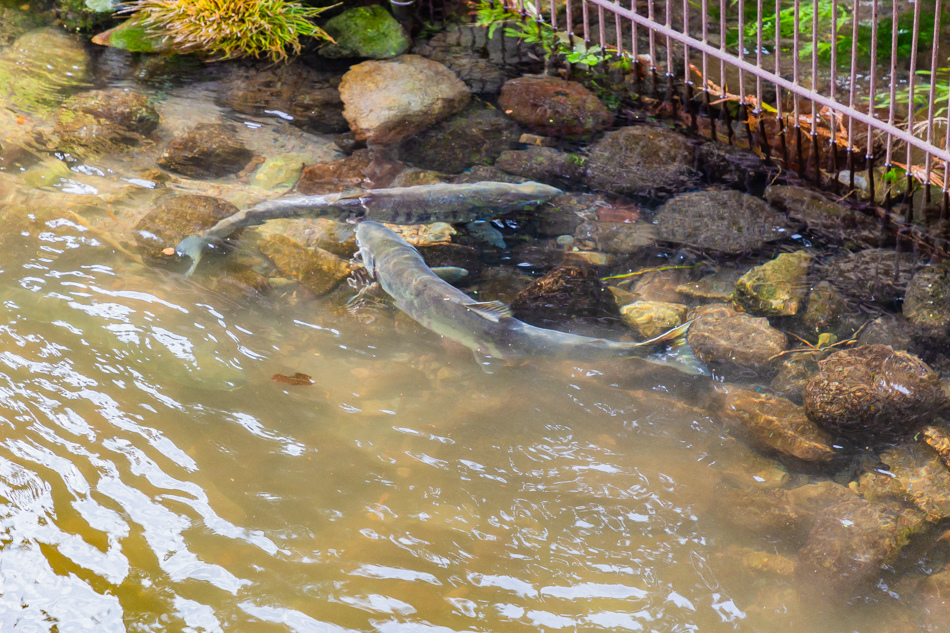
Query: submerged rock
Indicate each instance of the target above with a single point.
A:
(776, 288)
(554, 107)
(824, 311)
(542, 164)
(615, 237)
(175, 217)
(475, 136)
(873, 394)
(927, 305)
(849, 546)
(562, 214)
(823, 217)
(336, 175)
(876, 275)
(645, 162)
(315, 269)
(208, 150)
(481, 57)
(308, 97)
(565, 292)
(772, 424)
(365, 32)
(104, 121)
(916, 474)
(279, 173)
(718, 287)
(386, 102)
(730, 342)
(732, 166)
(887, 329)
(40, 68)
(728, 222)
(794, 372)
(652, 318)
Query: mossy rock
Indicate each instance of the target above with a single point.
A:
(133, 36)
(104, 121)
(365, 32)
(39, 69)
(776, 288)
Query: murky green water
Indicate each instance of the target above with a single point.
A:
(154, 477)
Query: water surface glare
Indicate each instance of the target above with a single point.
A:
(154, 477)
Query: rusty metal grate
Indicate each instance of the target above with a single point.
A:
(830, 113)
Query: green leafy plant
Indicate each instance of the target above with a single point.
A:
(922, 93)
(231, 28)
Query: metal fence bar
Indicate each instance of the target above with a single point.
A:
(849, 111)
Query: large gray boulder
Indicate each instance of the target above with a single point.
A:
(728, 222)
(386, 102)
(649, 162)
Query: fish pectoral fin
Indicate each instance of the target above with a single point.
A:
(670, 335)
(494, 311)
(450, 274)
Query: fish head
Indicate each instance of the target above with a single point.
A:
(536, 192)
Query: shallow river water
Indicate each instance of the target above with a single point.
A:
(153, 476)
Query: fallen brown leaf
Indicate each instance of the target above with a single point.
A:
(297, 379)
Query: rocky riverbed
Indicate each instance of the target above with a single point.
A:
(828, 346)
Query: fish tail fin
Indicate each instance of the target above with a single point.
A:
(670, 335)
(680, 355)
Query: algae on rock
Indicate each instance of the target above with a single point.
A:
(776, 288)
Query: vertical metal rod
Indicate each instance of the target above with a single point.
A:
(934, 50)
(853, 87)
(585, 16)
(779, 117)
(872, 87)
(722, 70)
(669, 56)
(764, 141)
(796, 52)
(892, 102)
(687, 78)
(814, 87)
(600, 30)
(712, 119)
(833, 85)
(569, 23)
(553, 10)
(652, 35)
(634, 47)
(618, 34)
(911, 98)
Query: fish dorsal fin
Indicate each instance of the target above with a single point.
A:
(351, 192)
(491, 310)
(670, 335)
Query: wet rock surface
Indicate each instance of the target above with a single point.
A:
(732, 166)
(39, 68)
(315, 269)
(474, 136)
(833, 221)
(873, 394)
(542, 164)
(309, 97)
(104, 120)
(652, 318)
(733, 343)
(776, 288)
(916, 473)
(483, 62)
(208, 150)
(554, 107)
(567, 290)
(365, 32)
(850, 544)
(720, 222)
(386, 102)
(772, 424)
(877, 275)
(927, 305)
(641, 162)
